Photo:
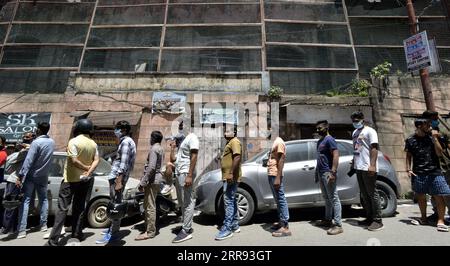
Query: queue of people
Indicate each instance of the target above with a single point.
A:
(427, 161)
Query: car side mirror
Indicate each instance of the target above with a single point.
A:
(264, 162)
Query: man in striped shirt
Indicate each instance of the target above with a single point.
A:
(121, 168)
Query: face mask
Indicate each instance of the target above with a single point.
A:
(321, 132)
(435, 124)
(118, 133)
(26, 141)
(358, 125)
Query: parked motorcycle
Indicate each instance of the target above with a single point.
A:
(165, 203)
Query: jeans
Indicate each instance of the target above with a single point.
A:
(10, 216)
(41, 190)
(371, 199)
(333, 207)
(150, 191)
(118, 195)
(186, 199)
(280, 200)
(70, 194)
(230, 203)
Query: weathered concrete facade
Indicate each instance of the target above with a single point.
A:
(392, 106)
(134, 96)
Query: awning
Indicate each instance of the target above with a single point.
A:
(111, 118)
(80, 114)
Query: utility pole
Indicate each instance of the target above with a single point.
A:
(424, 77)
(446, 6)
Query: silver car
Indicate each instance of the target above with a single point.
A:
(99, 199)
(254, 193)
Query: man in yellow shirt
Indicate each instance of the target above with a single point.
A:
(82, 159)
(231, 175)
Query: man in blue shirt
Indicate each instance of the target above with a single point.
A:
(34, 175)
(327, 164)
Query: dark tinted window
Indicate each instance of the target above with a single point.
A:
(297, 152)
(57, 167)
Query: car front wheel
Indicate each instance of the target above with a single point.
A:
(245, 204)
(97, 215)
(388, 199)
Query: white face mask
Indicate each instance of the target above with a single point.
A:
(358, 125)
(118, 133)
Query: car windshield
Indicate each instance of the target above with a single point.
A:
(103, 168)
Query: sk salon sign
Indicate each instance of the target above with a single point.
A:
(13, 125)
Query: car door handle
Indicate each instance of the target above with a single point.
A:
(306, 167)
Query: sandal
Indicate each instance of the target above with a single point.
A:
(282, 232)
(442, 228)
(419, 221)
(142, 237)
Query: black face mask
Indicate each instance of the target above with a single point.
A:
(322, 132)
(26, 141)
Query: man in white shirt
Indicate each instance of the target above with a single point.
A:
(185, 162)
(365, 162)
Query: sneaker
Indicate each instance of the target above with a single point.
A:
(80, 237)
(275, 226)
(50, 244)
(376, 226)
(283, 231)
(365, 222)
(182, 236)
(447, 219)
(44, 228)
(106, 239)
(106, 231)
(47, 235)
(324, 223)
(432, 218)
(22, 234)
(3, 231)
(178, 229)
(224, 234)
(236, 229)
(335, 230)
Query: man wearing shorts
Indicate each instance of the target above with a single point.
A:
(423, 150)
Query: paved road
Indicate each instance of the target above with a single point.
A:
(398, 231)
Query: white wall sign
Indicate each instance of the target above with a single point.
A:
(417, 52)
